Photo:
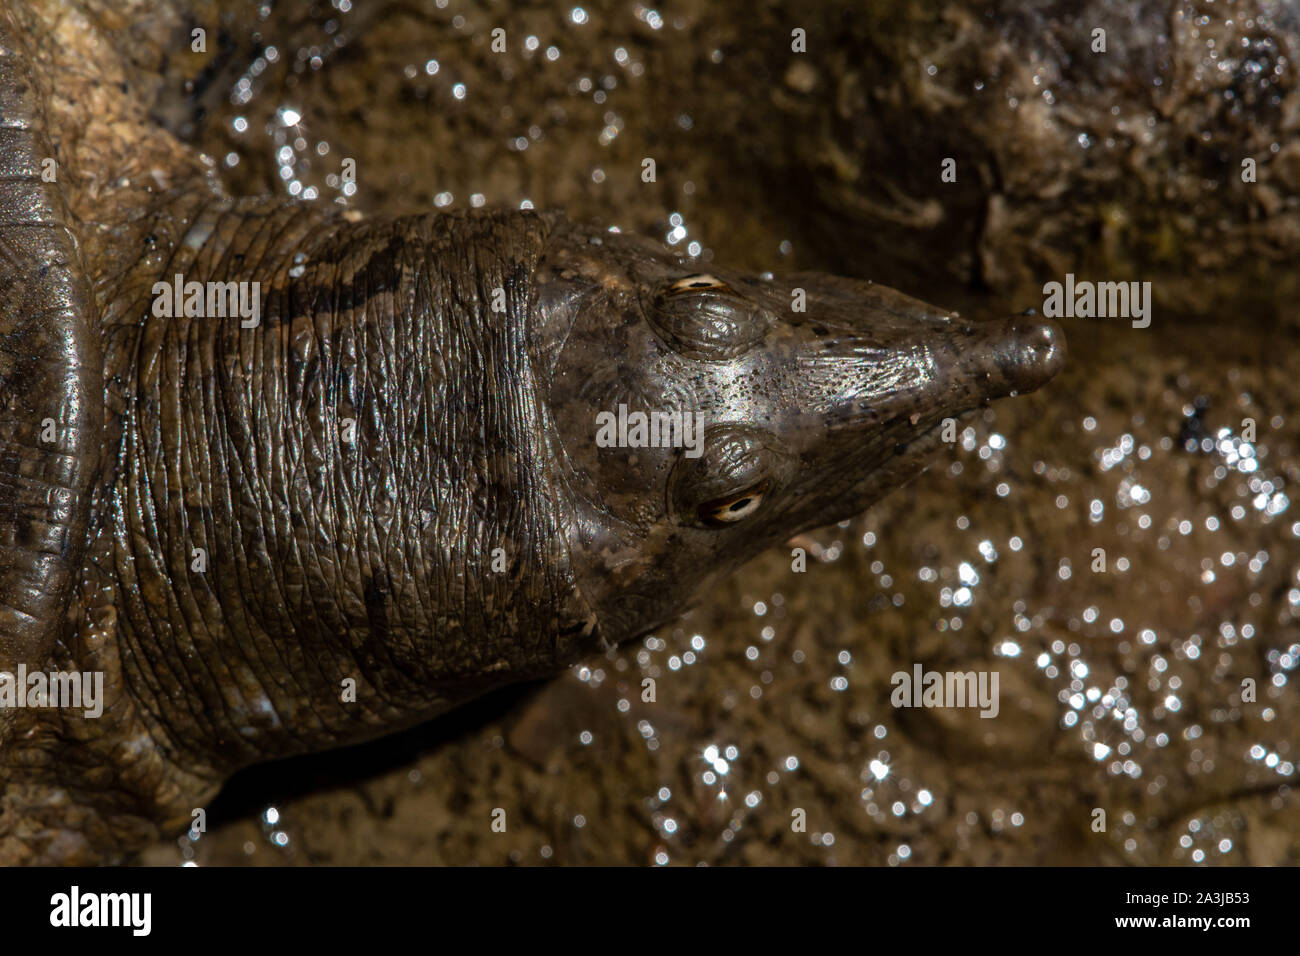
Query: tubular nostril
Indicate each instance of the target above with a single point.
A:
(1040, 352)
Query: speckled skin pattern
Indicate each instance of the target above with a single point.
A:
(416, 405)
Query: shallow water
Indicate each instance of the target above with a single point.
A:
(1120, 690)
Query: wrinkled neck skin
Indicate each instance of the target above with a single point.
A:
(311, 532)
(365, 473)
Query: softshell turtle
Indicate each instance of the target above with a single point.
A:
(276, 478)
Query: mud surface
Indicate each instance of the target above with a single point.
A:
(1120, 690)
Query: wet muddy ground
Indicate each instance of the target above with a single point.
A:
(1120, 690)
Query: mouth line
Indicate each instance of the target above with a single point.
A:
(928, 439)
(925, 442)
(896, 462)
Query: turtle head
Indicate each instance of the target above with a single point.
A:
(705, 415)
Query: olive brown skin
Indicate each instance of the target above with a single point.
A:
(391, 482)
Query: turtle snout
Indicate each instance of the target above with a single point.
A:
(1008, 357)
(1036, 354)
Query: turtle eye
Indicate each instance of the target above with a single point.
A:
(733, 508)
(701, 282)
(703, 317)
